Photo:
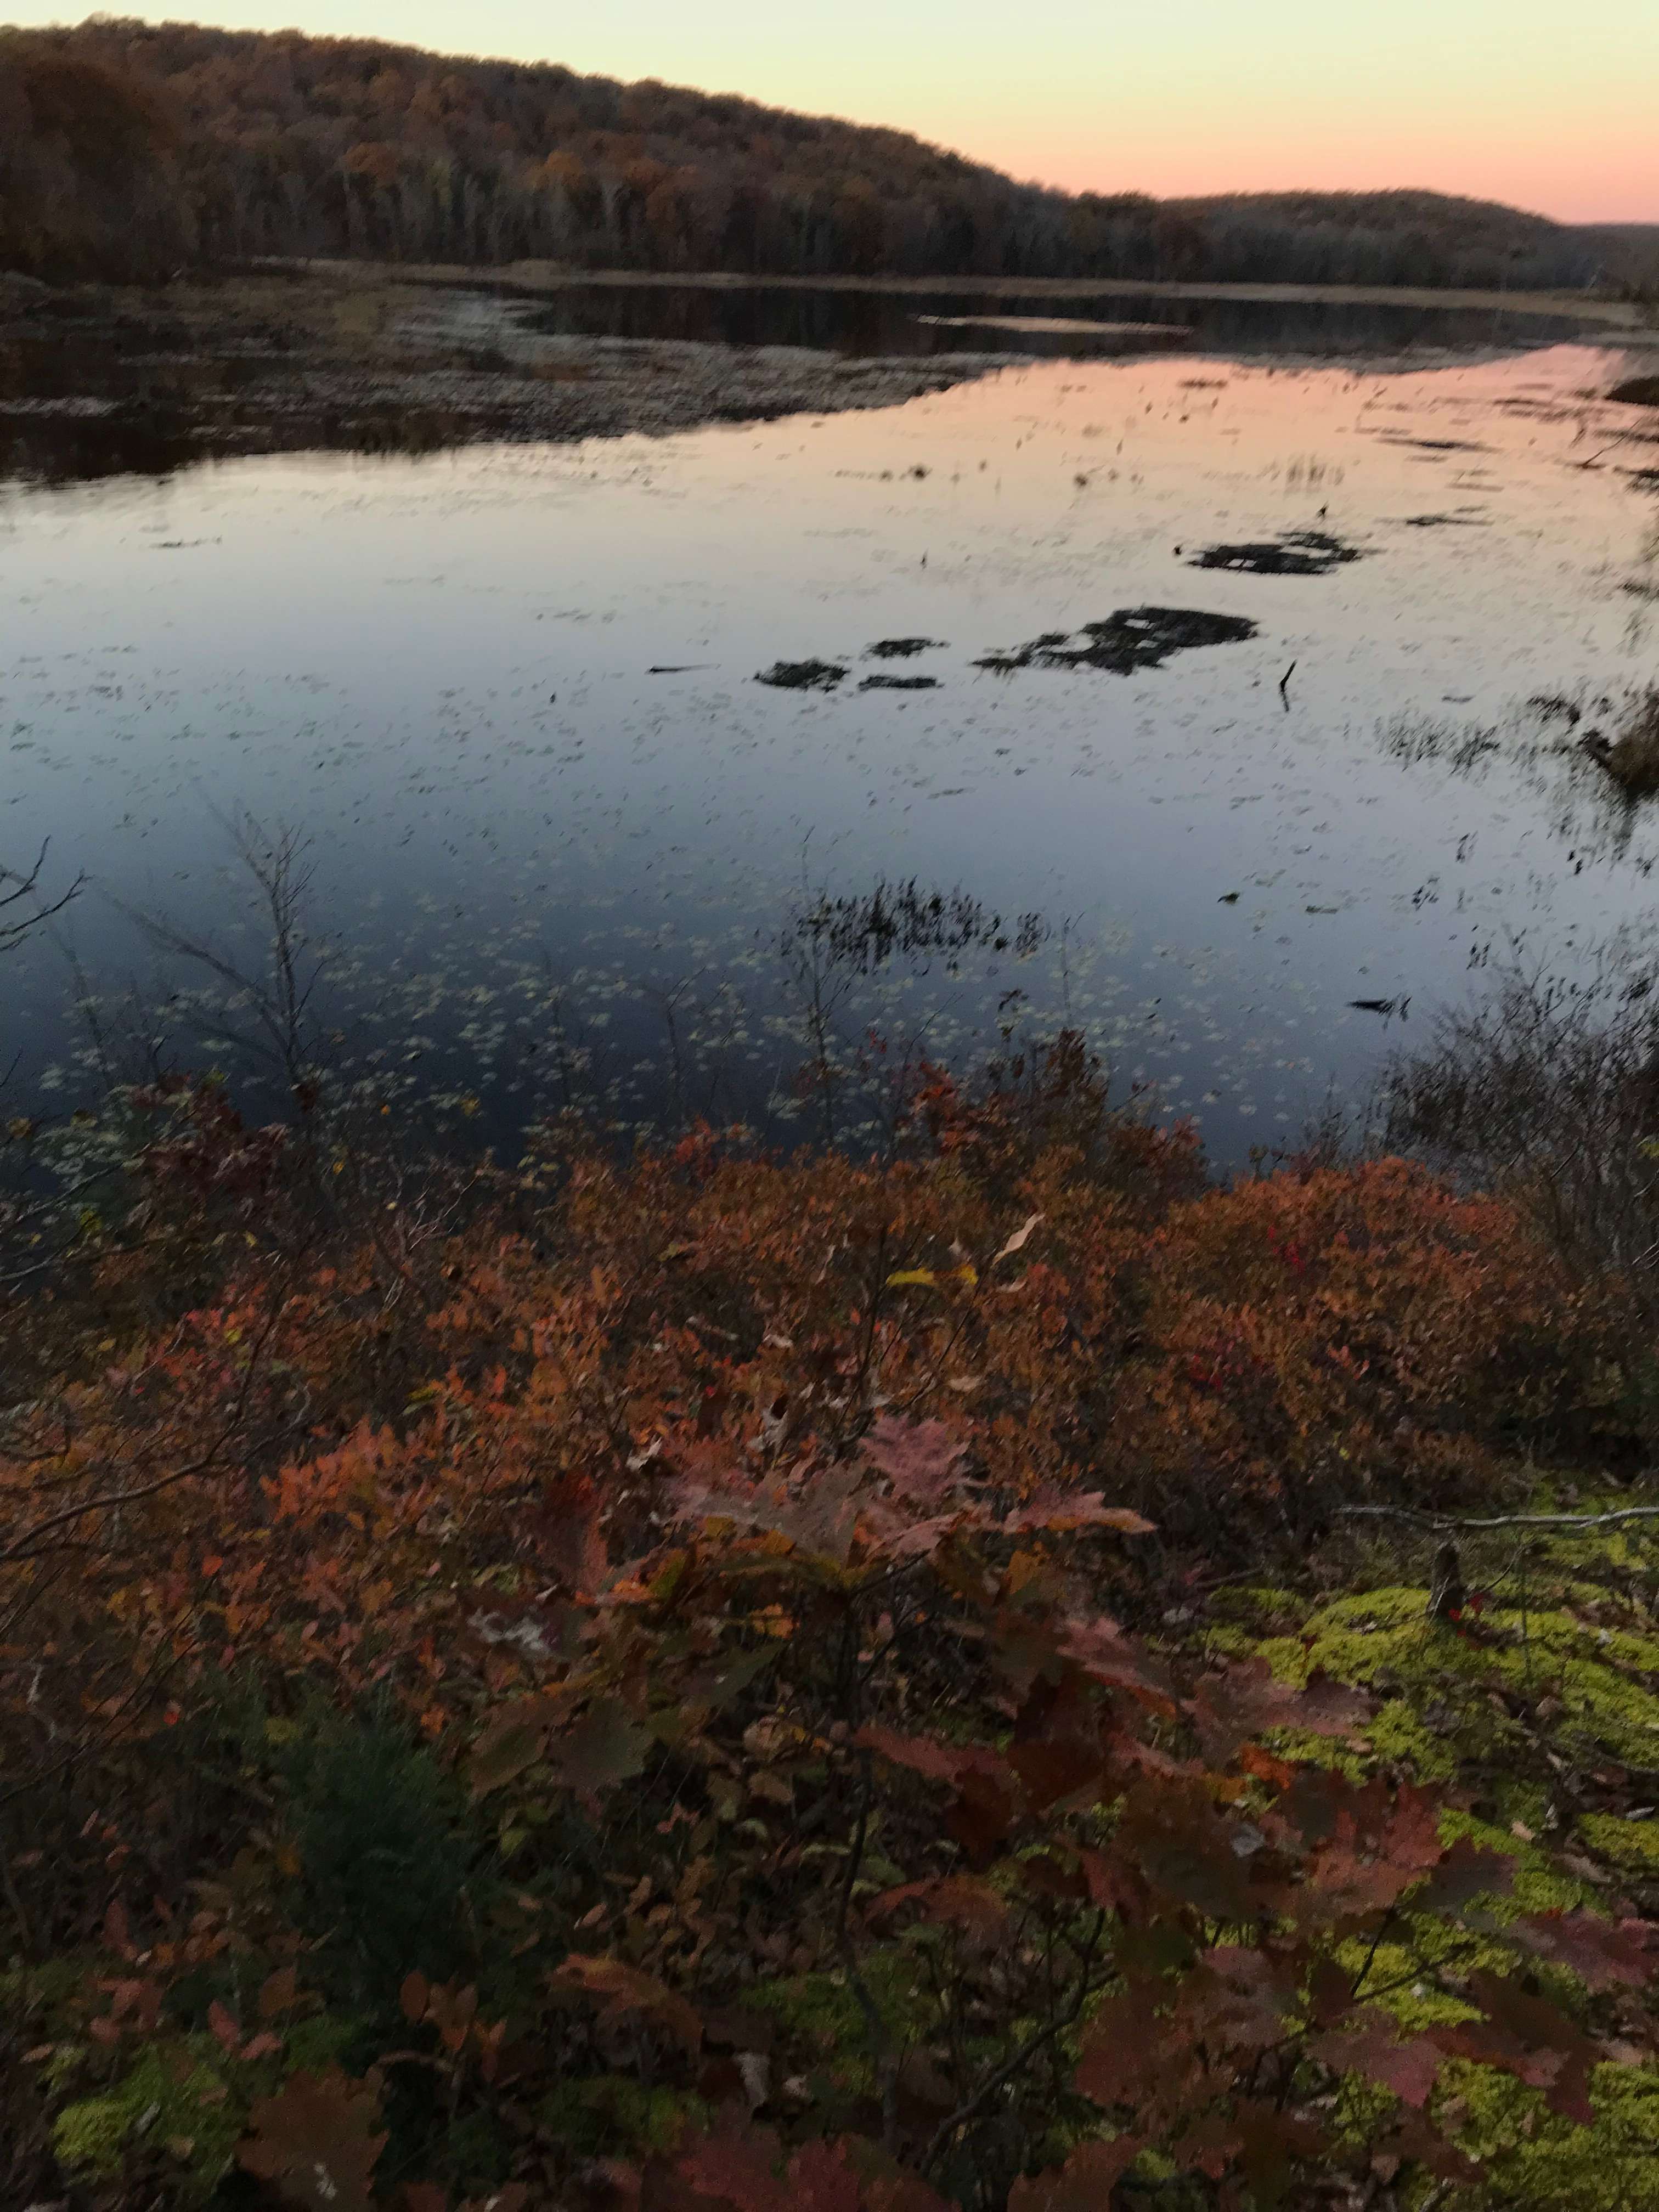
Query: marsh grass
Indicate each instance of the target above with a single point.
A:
(1631, 757)
(1548, 1092)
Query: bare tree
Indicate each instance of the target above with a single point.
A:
(23, 906)
(276, 998)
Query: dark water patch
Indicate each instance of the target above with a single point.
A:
(1438, 445)
(54, 446)
(1637, 391)
(1447, 522)
(1297, 553)
(1133, 638)
(803, 675)
(902, 649)
(889, 323)
(900, 683)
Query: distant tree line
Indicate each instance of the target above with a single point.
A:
(125, 147)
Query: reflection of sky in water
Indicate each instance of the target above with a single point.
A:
(437, 667)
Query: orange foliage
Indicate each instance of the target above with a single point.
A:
(726, 1502)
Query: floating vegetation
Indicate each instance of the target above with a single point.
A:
(1296, 553)
(900, 683)
(1133, 638)
(904, 648)
(1447, 522)
(1418, 739)
(862, 932)
(803, 675)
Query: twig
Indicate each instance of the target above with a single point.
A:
(1568, 1521)
(1028, 2051)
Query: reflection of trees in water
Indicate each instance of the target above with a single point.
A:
(812, 1025)
(886, 323)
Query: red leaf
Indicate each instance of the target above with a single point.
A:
(1468, 1871)
(1249, 1700)
(738, 2170)
(919, 1458)
(1107, 1656)
(1370, 2046)
(1605, 1954)
(1084, 2183)
(226, 2033)
(938, 1762)
(1527, 2036)
(820, 2180)
(415, 1996)
(1061, 1511)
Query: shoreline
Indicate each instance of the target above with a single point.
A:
(536, 278)
(99, 381)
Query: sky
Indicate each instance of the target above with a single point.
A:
(1548, 107)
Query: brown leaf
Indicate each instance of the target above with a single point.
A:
(313, 2141)
(280, 1993)
(962, 1901)
(505, 1749)
(605, 1747)
(622, 1989)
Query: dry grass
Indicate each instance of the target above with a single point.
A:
(1548, 1092)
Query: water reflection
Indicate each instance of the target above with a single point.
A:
(931, 322)
(558, 828)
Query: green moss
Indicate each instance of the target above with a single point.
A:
(1632, 1845)
(1443, 1711)
(823, 2011)
(1535, 2161)
(168, 2099)
(607, 2114)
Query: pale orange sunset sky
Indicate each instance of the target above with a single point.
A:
(1551, 108)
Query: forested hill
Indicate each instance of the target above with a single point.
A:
(126, 148)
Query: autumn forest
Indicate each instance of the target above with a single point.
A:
(132, 149)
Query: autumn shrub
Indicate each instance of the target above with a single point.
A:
(688, 1681)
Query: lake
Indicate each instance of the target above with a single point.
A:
(567, 848)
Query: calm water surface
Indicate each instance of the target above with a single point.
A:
(540, 865)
